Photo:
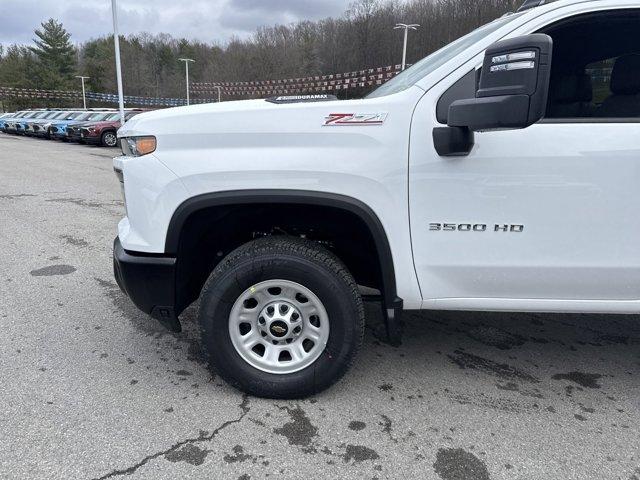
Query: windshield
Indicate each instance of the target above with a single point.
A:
(59, 115)
(100, 116)
(84, 116)
(424, 67)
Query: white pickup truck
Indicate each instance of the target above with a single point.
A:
(500, 173)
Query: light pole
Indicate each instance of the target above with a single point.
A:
(219, 90)
(406, 29)
(84, 98)
(116, 42)
(186, 69)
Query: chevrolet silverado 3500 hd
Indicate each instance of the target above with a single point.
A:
(500, 173)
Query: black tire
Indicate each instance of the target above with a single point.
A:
(109, 139)
(295, 260)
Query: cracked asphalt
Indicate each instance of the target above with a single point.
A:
(92, 389)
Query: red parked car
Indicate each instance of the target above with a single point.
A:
(104, 132)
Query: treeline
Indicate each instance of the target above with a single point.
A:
(363, 37)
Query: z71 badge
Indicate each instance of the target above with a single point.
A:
(341, 119)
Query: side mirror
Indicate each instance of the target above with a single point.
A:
(512, 94)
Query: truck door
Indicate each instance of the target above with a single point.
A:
(544, 218)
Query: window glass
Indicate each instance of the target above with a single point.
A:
(98, 116)
(84, 116)
(600, 74)
(591, 78)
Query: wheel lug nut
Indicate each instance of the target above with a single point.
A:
(295, 316)
(297, 330)
(261, 321)
(264, 334)
(270, 310)
(283, 309)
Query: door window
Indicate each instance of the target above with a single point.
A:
(596, 67)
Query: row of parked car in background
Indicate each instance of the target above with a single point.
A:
(92, 126)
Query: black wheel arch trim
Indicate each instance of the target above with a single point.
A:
(284, 196)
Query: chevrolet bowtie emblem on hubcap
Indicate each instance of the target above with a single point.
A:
(278, 329)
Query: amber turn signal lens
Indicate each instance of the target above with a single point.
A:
(137, 146)
(145, 145)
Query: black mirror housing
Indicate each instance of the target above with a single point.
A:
(453, 141)
(514, 85)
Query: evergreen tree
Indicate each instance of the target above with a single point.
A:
(55, 54)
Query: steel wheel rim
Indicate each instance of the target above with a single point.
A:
(110, 140)
(278, 316)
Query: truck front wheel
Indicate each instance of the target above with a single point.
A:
(281, 318)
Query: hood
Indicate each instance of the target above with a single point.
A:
(250, 117)
(101, 124)
(181, 114)
(82, 124)
(29, 120)
(63, 122)
(43, 120)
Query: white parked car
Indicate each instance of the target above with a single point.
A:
(500, 173)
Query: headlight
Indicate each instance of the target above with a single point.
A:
(138, 146)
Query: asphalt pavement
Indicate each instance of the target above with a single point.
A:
(92, 389)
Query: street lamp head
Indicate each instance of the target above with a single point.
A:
(404, 26)
(186, 60)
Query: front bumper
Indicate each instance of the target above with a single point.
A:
(58, 133)
(91, 140)
(73, 136)
(149, 281)
(41, 132)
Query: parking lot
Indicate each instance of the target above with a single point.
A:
(93, 389)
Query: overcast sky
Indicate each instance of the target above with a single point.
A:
(205, 20)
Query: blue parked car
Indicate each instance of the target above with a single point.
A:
(40, 127)
(24, 125)
(11, 122)
(6, 116)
